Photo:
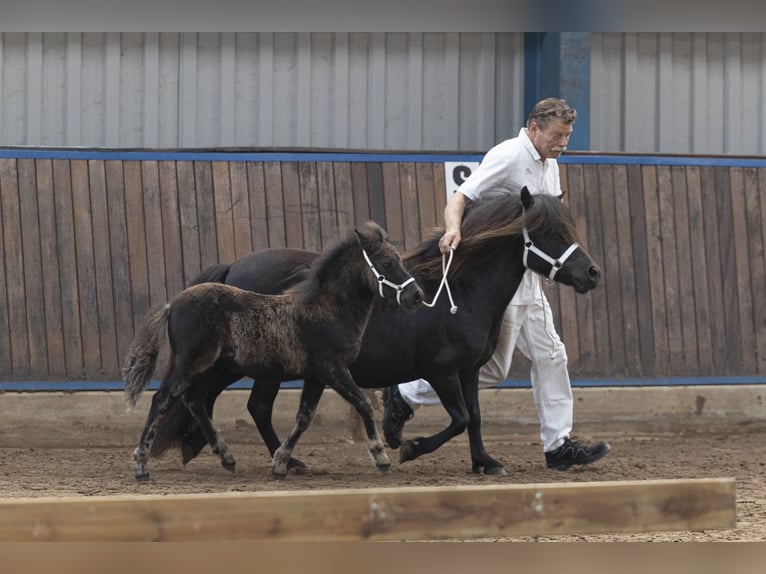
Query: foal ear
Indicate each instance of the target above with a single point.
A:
(526, 198)
(370, 231)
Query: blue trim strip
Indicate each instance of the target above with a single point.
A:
(126, 155)
(569, 158)
(75, 386)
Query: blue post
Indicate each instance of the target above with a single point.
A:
(557, 64)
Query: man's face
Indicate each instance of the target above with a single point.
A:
(552, 141)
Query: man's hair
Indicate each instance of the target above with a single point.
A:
(548, 109)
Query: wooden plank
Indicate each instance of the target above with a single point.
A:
(408, 193)
(429, 218)
(328, 207)
(240, 203)
(757, 267)
(742, 249)
(86, 273)
(729, 281)
(171, 227)
(567, 314)
(629, 318)
(760, 326)
(275, 205)
(67, 254)
(686, 303)
(405, 513)
(259, 221)
(594, 218)
(224, 220)
(393, 205)
(360, 192)
(187, 211)
(714, 265)
(54, 325)
(344, 196)
(583, 330)
(613, 274)
(699, 270)
(137, 263)
(291, 198)
(654, 240)
(33, 272)
(440, 193)
(16, 342)
(376, 194)
(208, 238)
(638, 238)
(669, 262)
(309, 207)
(102, 263)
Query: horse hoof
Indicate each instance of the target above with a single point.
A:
(408, 451)
(230, 466)
(294, 463)
(278, 474)
(384, 468)
(495, 471)
(142, 477)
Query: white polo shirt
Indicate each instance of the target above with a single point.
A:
(509, 166)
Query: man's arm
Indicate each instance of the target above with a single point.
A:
(453, 216)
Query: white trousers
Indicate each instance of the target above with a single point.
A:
(531, 329)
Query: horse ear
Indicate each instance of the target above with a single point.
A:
(563, 193)
(526, 198)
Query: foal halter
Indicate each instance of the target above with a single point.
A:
(399, 287)
(556, 264)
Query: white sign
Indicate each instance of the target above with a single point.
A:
(455, 173)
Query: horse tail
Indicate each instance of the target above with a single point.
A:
(142, 354)
(213, 274)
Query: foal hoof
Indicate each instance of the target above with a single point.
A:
(295, 464)
(229, 465)
(142, 476)
(384, 468)
(279, 474)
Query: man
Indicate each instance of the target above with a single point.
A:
(528, 159)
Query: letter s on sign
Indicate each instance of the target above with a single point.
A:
(455, 173)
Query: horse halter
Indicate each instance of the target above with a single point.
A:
(399, 287)
(556, 264)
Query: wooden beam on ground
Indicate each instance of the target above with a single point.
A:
(415, 513)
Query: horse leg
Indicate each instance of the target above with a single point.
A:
(195, 400)
(161, 402)
(480, 459)
(344, 385)
(260, 405)
(452, 400)
(193, 439)
(312, 392)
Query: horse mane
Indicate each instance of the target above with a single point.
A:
(332, 260)
(487, 227)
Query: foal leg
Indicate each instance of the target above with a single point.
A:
(161, 402)
(480, 459)
(344, 385)
(312, 392)
(195, 399)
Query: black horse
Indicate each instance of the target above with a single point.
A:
(313, 331)
(445, 349)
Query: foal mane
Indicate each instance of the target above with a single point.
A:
(487, 227)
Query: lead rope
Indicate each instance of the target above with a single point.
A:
(445, 269)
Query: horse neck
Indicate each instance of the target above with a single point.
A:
(496, 280)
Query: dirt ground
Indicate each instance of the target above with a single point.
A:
(34, 471)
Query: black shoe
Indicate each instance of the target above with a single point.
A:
(396, 412)
(574, 451)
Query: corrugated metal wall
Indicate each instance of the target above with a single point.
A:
(387, 91)
(699, 93)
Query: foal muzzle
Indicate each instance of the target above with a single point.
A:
(556, 264)
(398, 287)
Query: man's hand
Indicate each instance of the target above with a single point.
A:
(449, 240)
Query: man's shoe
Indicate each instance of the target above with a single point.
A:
(574, 451)
(396, 412)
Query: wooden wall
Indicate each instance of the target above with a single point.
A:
(91, 245)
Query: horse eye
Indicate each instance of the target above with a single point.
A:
(388, 264)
